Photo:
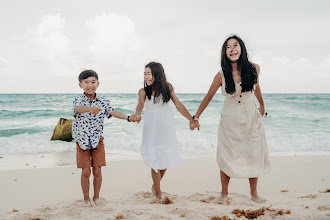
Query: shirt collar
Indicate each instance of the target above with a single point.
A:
(85, 98)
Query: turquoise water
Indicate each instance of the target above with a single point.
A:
(298, 122)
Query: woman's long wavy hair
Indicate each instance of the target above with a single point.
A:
(245, 67)
(160, 85)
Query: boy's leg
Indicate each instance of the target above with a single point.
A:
(84, 162)
(156, 179)
(97, 182)
(98, 160)
(254, 194)
(85, 174)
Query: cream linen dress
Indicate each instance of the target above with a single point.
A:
(242, 147)
(160, 147)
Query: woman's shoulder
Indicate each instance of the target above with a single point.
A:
(257, 67)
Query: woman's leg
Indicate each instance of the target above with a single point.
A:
(224, 187)
(254, 194)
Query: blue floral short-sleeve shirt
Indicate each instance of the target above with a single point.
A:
(87, 129)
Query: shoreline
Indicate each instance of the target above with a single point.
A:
(295, 182)
(68, 158)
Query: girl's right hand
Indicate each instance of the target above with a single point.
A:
(138, 118)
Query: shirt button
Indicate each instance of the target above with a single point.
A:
(239, 101)
(240, 95)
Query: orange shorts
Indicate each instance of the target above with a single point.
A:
(91, 158)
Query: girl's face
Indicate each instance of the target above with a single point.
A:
(148, 78)
(233, 50)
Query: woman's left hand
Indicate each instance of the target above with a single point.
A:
(261, 110)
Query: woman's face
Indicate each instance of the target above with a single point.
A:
(233, 50)
(148, 78)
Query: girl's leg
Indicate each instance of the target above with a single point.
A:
(156, 177)
(224, 185)
(162, 173)
(254, 194)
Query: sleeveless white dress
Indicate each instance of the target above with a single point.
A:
(160, 147)
(242, 147)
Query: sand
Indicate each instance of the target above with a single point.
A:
(47, 186)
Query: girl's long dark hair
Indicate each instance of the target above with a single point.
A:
(160, 85)
(245, 67)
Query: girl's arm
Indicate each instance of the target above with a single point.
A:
(140, 105)
(217, 81)
(257, 92)
(179, 106)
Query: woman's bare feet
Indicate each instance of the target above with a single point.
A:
(256, 198)
(222, 199)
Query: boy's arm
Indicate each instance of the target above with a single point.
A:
(119, 115)
(82, 109)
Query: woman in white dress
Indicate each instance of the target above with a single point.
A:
(160, 147)
(242, 150)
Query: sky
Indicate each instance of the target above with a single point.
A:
(45, 44)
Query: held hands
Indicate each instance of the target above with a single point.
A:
(135, 118)
(194, 124)
(94, 110)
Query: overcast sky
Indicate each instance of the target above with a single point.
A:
(45, 44)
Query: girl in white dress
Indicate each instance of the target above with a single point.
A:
(242, 147)
(160, 147)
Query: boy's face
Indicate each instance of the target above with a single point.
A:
(89, 85)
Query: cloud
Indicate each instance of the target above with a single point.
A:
(113, 43)
(283, 74)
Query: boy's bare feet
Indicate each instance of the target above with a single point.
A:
(153, 190)
(222, 199)
(87, 203)
(255, 197)
(97, 201)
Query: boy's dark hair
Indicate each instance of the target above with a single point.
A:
(160, 85)
(86, 74)
(246, 68)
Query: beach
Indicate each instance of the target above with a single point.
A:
(47, 186)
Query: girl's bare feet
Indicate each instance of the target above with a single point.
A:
(87, 203)
(97, 201)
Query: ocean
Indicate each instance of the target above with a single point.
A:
(297, 123)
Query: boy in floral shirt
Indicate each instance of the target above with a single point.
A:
(89, 111)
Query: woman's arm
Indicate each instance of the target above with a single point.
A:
(257, 92)
(217, 81)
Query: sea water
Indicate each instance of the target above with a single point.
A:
(295, 123)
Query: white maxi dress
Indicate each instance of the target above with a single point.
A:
(160, 147)
(242, 150)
